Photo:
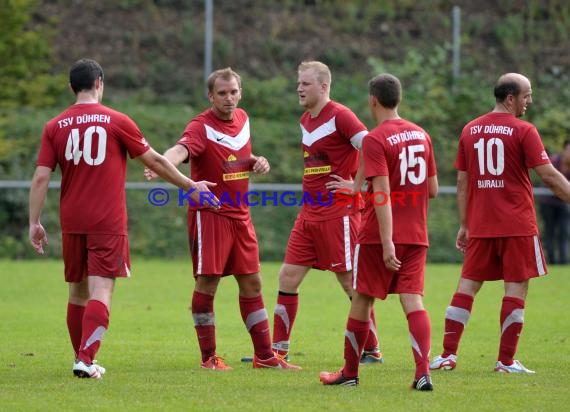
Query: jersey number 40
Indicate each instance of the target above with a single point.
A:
(74, 152)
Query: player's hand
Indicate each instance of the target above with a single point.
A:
(149, 174)
(389, 255)
(203, 195)
(38, 237)
(338, 183)
(462, 239)
(261, 166)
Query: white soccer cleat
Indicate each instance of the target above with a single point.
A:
(82, 370)
(516, 367)
(448, 363)
(101, 369)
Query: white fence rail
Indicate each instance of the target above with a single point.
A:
(277, 187)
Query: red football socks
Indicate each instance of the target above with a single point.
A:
(283, 319)
(75, 325)
(95, 324)
(254, 316)
(354, 337)
(420, 335)
(204, 323)
(512, 319)
(456, 318)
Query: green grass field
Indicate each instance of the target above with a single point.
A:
(152, 358)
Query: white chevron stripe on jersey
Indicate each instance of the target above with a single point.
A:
(322, 131)
(232, 142)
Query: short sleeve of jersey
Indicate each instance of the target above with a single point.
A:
(47, 156)
(349, 125)
(193, 138)
(534, 152)
(375, 163)
(132, 137)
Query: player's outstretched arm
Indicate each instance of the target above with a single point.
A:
(554, 180)
(176, 155)
(165, 169)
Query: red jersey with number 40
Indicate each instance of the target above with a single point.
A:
(403, 151)
(90, 143)
(330, 142)
(220, 152)
(496, 150)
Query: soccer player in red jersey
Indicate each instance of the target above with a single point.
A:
(498, 231)
(324, 232)
(217, 143)
(392, 243)
(90, 143)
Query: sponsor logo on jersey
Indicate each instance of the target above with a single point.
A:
(317, 170)
(235, 176)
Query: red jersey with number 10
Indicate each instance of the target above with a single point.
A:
(403, 151)
(496, 150)
(90, 143)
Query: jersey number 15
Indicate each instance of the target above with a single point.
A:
(409, 159)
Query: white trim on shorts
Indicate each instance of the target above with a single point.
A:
(346, 235)
(538, 257)
(199, 230)
(355, 270)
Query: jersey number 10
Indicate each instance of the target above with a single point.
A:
(72, 150)
(496, 166)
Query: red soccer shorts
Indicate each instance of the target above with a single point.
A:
(95, 255)
(512, 259)
(324, 245)
(221, 246)
(373, 279)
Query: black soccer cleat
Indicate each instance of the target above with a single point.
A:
(423, 384)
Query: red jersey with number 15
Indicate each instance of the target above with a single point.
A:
(403, 151)
(90, 143)
(496, 150)
(330, 142)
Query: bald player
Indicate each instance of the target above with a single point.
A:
(498, 232)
